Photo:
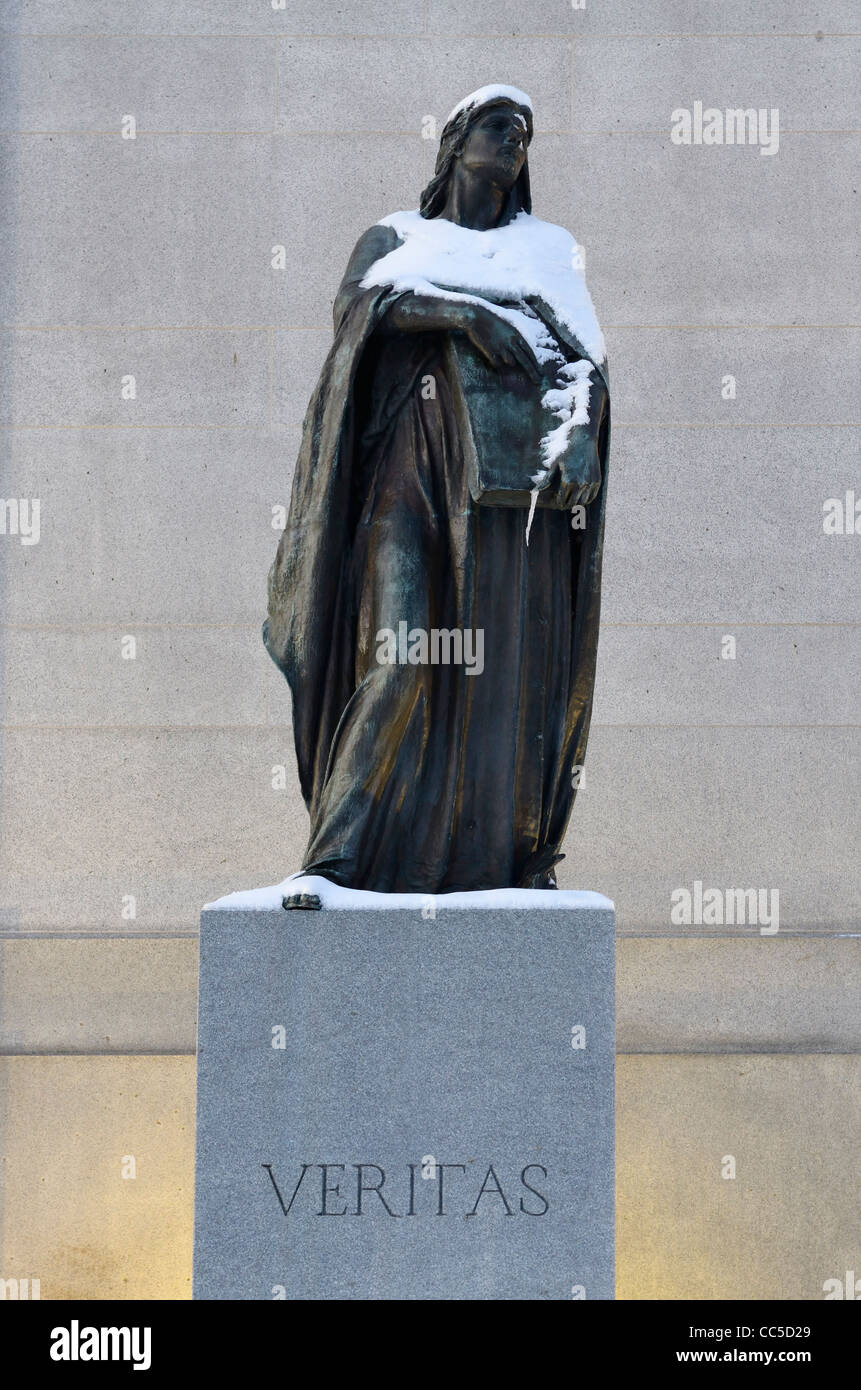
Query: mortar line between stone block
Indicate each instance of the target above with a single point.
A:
(256, 428)
(149, 1051)
(124, 620)
(360, 131)
(252, 627)
(262, 727)
(624, 934)
(446, 34)
(744, 1052)
(327, 328)
(146, 1051)
(696, 624)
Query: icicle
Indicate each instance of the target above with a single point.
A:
(533, 503)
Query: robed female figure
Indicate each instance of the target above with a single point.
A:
(434, 765)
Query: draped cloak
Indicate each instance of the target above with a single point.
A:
(425, 778)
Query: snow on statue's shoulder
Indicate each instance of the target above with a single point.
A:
(525, 259)
(333, 896)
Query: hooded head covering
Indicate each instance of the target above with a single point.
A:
(456, 129)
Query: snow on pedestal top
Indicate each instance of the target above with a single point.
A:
(333, 896)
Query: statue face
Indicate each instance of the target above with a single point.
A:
(495, 147)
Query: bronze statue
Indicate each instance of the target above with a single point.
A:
(434, 601)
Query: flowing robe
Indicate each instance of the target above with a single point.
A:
(425, 778)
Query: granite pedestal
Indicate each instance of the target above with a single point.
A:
(412, 1103)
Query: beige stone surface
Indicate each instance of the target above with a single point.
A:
(733, 808)
(765, 994)
(692, 17)
(678, 674)
(644, 77)
(183, 378)
(791, 994)
(129, 675)
(172, 818)
(69, 1217)
(95, 996)
(177, 817)
(396, 83)
(224, 17)
(144, 526)
(666, 375)
(789, 1219)
(194, 85)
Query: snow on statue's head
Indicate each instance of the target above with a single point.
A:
(475, 108)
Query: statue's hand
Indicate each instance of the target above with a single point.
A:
(580, 468)
(497, 340)
(580, 473)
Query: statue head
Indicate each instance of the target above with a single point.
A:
(487, 134)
